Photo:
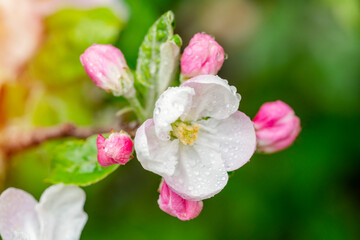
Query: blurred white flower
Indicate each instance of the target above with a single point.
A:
(58, 216)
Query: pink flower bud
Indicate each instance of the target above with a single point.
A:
(107, 67)
(117, 149)
(276, 127)
(203, 56)
(176, 206)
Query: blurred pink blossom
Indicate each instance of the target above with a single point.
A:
(276, 127)
(20, 35)
(21, 28)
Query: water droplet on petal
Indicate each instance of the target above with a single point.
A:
(157, 111)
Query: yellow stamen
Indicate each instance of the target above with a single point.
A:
(187, 134)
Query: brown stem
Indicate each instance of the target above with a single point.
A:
(15, 141)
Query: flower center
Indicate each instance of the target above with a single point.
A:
(186, 133)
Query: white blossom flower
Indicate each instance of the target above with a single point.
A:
(58, 216)
(196, 136)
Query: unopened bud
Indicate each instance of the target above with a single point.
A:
(276, 127)
(203, 56)
(117, 149)
(106, 66)
(176, 206)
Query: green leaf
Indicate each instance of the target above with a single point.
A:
(150, 56)
(75, 162)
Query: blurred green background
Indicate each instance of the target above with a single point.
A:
(306, 53)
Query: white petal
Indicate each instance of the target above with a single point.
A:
(200, 173)
(237, 137)
(60, 212)
(213, 98)
(154, 154)
(169, 107)
(18, 219)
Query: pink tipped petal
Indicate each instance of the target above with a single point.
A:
(176, 206)
(154, 154)
(202, 56)
(18, 219)
(213, 98)
(276, 127)
(107, 67)
(60, 212)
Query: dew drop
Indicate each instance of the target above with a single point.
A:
(233, 89)
(157, 111)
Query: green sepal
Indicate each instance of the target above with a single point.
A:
(177, 40)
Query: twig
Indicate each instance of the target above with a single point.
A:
(14, 141)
